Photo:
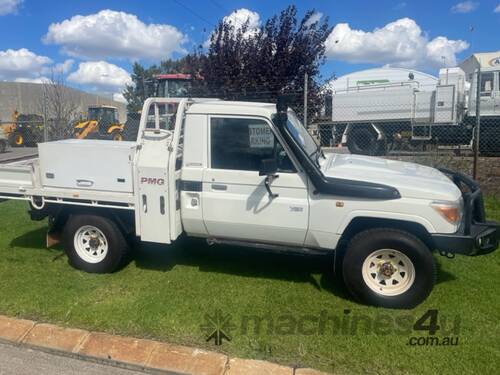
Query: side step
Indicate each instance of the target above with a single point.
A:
(270, 247)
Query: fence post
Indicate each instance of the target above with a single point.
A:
(478, 124)
(45, 130)
(306, 82)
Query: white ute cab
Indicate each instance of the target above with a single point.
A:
(250, 174)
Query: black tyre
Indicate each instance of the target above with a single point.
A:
(3, 146)
(16, 139)
(363, 141)
(488, 141)
(325, 135)
(389, 268)
(94, 244)
(117, 135)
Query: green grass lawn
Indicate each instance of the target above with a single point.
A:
(164, 293)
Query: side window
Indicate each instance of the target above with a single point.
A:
(486, 84)
(241, 144)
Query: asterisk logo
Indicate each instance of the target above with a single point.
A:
(218, 327)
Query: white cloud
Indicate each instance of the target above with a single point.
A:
(118, 97)
(238, 18)
(399, 43)
(65, 66)
(242, 15)
(9, 6)
(465, 7)
(100, 75)
(22, 63)
(115, 34)
(497, 9)
(33, 80)
(443, 50)
(316, 17)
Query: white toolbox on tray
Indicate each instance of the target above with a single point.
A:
(87, 164)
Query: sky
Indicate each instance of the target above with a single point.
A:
(94, 43)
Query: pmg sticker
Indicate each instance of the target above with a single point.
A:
(152, 181)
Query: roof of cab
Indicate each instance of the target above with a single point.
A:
(222, 107)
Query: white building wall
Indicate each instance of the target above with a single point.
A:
(27, 98)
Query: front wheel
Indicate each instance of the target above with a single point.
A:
(389, 268)
(94, 244)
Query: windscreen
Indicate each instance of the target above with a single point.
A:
(301, 135)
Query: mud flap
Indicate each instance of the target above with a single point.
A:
(53, 238)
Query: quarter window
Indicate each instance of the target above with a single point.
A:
(242, 144)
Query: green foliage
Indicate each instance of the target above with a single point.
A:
(246, 64)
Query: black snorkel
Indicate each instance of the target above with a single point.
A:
(323, 184)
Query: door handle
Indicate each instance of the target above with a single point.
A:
(221, 187)
(84, 183)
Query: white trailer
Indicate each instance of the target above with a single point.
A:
(250, 174)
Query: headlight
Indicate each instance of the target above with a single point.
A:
(450, 211)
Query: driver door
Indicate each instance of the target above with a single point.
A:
(236, 203)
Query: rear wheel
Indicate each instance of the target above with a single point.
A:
(117, 135)
(94, 243)
(363, 141)
(3, 146)
(389, 268)
(488, 141)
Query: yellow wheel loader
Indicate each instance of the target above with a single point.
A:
(101, 123)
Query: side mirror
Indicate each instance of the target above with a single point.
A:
(268, 167)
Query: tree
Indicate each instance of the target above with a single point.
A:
(139, 90)
(59, 105)
(262, 64)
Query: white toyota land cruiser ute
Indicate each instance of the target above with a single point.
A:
(250, 174)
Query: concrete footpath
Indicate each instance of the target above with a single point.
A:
(20, 360)
(18, 153)
(131, 353)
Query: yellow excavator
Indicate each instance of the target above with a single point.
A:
(101, 123)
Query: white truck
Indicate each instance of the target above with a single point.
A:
(250, 174)
(375, 119)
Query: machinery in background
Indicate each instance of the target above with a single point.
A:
(24, 130)
(101, 123)
(172, 85)
(4, 141)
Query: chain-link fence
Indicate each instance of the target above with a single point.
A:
(437, 127)
(29, 130)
